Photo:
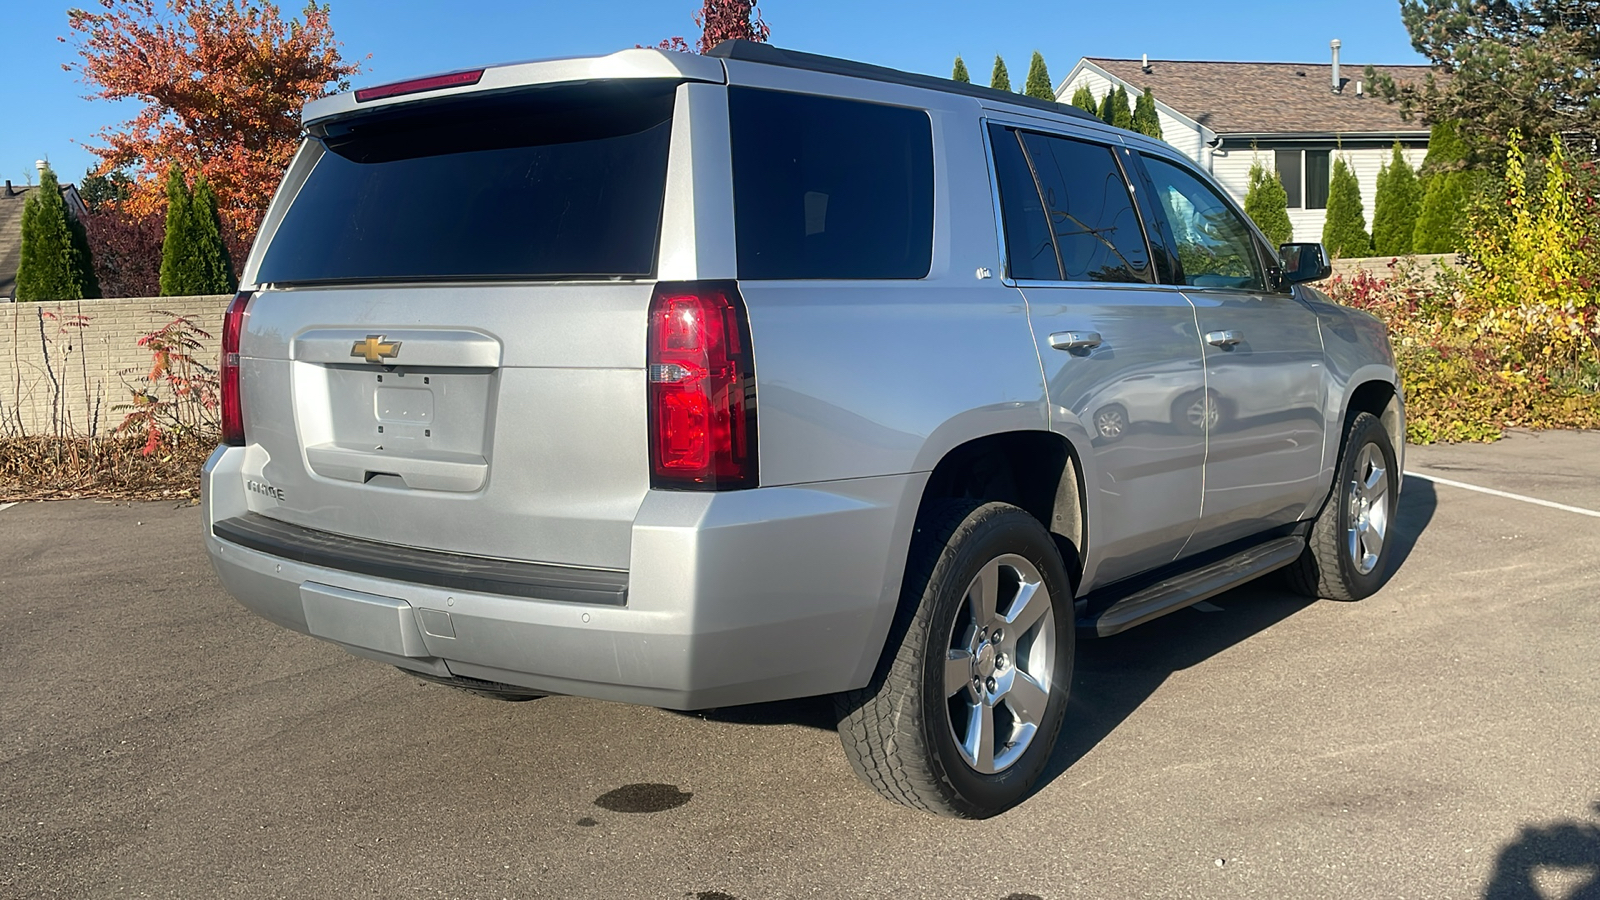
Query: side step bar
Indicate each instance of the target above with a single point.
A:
(1185, 590)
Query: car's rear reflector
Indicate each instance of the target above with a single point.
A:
(232, 409)
(702, 388)
(415, 85)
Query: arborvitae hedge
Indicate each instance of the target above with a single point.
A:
(998, 79)
(960, 72)
(1267, 204)
(1038, 83)
(1395, 208)
(55, 263)
(1145, 118)
(1121, 112)
(216, 267)
(1447, 190)
(1344, 233)
(194, 259)
(1083, 98)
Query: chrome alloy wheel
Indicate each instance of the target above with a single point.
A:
(1368, 509)
(997, 673)
(1110, 422)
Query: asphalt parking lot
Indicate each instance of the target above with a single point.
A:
(1441, 739)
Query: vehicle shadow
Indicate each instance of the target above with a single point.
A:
(1115, 676)
(1571, 845)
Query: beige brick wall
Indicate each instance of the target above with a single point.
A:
(57, 377)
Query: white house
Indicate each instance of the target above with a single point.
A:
(1293, 117)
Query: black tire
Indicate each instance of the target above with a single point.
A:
(489, 690)
(898, 731)
(1328, 568)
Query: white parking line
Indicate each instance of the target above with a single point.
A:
(1506, 494)
(6, 506)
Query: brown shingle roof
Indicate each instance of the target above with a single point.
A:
(1269, 98)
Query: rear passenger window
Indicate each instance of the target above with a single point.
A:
(1091, 213)
(1067, 212)
(830, 188)
(1030, 251)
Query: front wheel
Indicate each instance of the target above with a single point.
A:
(963, 712)
(1347, 556)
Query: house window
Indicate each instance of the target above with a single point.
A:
(1304, 174)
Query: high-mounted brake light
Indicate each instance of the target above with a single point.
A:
(232, 410)
(702, 388)
(416, 85)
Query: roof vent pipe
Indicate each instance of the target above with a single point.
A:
(1144, 63)
(1336, 82)
(1360, 89)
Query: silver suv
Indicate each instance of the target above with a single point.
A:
(697, 381)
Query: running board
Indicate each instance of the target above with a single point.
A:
(1185, 590)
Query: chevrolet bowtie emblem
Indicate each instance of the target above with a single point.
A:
(374, 348)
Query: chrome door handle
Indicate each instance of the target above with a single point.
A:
(1075, 340)
(1223, 338)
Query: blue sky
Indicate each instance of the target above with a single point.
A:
(45, 114)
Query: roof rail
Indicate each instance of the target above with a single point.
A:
(750, 51)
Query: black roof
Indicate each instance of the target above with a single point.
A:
(751, 51)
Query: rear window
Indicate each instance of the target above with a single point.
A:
(829, 188)
(553, 183)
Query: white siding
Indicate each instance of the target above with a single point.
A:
(1232, 168)
(1185, 138)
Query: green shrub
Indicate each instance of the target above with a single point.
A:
(55, 262)
(1114, 109)
(1038, 83)
(1145, 118)
(1446, 194)
(999, 79)
(1395, 208)
(194, 259)
(1267, 204)
(960, 72)
(1083, 98)
(1344, 232)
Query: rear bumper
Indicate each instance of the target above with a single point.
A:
(730, 598)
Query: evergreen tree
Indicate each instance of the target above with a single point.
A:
(214, 265)
(181, 268)
(1267, 204)
(1000, 80)
(960, 72)
(1104, 112)
(55, 263)
(1395, 208)
(1344, 232)
(1121, 113)
(1083, 99)
(1145, 119)
(1446, 190)
(1038, 83)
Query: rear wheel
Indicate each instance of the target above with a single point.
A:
(962, 714)
(1347, 556)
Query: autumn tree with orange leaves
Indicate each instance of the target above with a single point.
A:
(221, 83)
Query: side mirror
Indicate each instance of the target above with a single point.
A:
(1304, 262)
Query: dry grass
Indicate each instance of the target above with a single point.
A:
(62, 468)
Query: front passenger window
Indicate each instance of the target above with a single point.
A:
(1215, 247)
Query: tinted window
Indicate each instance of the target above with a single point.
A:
(828, 188)
(552, 183)
(1287, 163)
(1215, 247)
(1317, 179)
(1097, 233)
(1030, 252)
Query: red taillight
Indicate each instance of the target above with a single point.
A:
(431, 83)
(702, 388)
(232, 411)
